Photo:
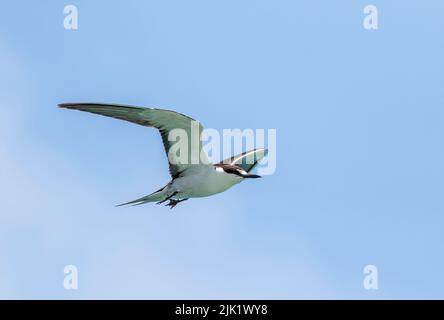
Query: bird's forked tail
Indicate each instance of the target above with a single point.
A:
(153, 197)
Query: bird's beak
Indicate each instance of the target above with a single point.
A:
(251, 176)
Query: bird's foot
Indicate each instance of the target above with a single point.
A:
(167, 198)
(173, 203)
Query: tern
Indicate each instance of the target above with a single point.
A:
(189, 179)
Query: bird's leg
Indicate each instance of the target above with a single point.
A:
(168, 198)
(173, 203)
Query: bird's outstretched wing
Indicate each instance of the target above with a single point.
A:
(247, 160)
(165, 121)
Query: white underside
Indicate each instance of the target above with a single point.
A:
(201, 181)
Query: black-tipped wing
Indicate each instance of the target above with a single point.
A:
(247, 160)
(188, 133)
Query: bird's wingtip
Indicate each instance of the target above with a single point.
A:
(72, 105)
(264, 150)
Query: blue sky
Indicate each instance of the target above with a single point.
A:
(359, 118)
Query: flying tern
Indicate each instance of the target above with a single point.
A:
(189, 179)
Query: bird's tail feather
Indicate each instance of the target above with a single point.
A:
(155, 196)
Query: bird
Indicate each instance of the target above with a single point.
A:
(188, 179)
